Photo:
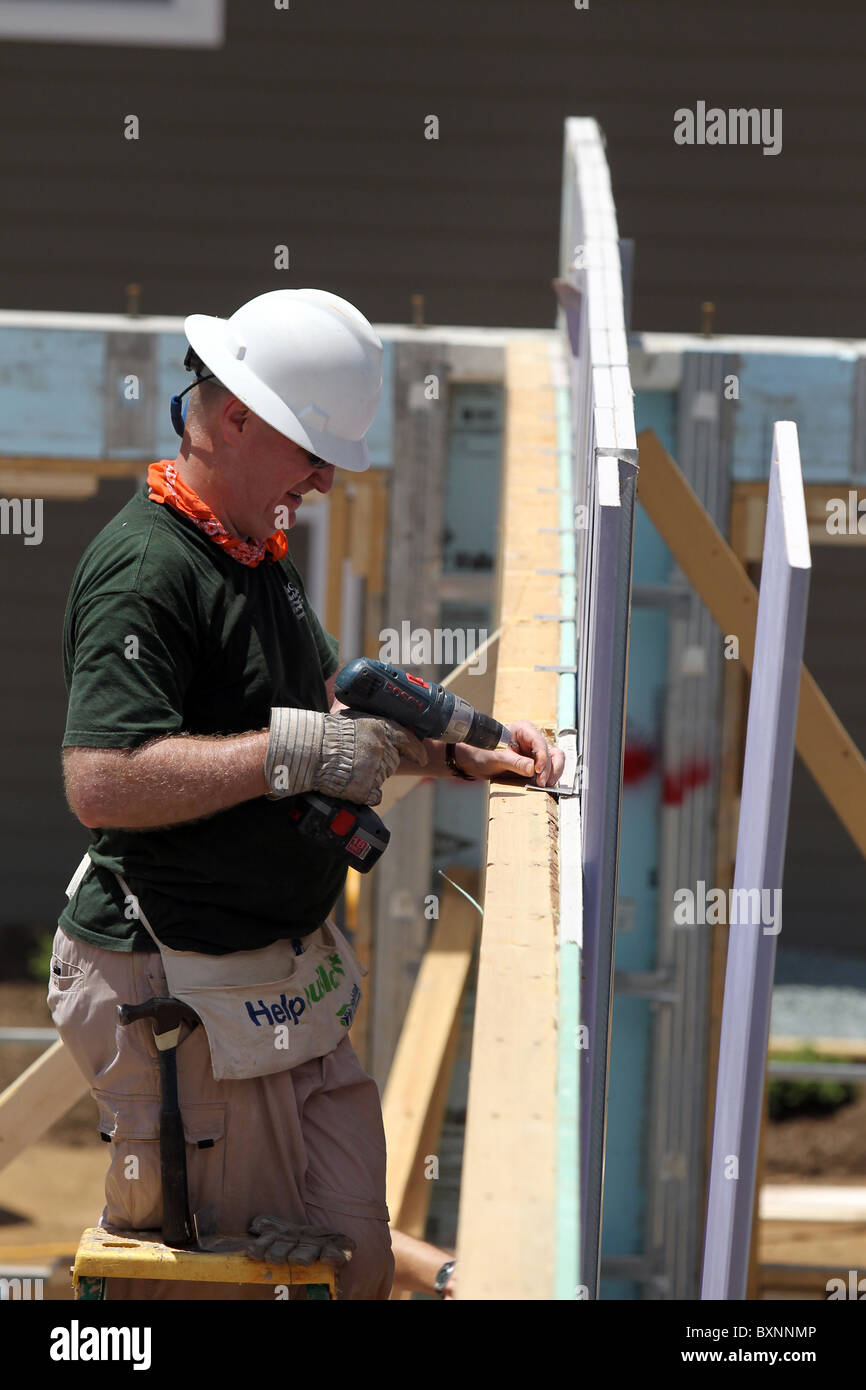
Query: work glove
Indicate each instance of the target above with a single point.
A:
(280, 1240)
(346, 755)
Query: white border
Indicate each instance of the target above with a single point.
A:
(180, 23)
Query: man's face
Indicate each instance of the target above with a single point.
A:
(273, 477)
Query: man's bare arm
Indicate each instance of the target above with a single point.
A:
(167, 782)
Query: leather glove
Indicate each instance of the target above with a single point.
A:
(346, 755)
(280, 1240)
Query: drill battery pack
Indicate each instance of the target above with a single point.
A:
(355, 832)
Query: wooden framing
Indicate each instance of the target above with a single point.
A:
(717, 570)
(37, 1099)
(750, 500)
(710, 564)
(506, 1235)
(413, 1106)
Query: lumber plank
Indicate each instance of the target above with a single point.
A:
(418, 1069)
(338, 523)
(506, 1234)
(37, 1099)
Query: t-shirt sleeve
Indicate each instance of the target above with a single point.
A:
(129, 661)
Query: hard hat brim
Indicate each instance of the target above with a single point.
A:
(216, 345)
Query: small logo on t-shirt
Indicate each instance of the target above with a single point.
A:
(296, 601)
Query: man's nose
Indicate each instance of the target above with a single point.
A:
(323, 478)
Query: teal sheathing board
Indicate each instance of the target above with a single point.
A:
(172, 378)
(51, 383)
(817, 393)
(53, 394)
(631, 1030)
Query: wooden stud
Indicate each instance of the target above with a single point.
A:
(506, 1237)
(337, 540)
(414, 1102)
(38, 1099)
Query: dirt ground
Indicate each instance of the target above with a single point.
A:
(54, 1189)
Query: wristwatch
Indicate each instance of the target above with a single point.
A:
(441, 1280)
(451, 761)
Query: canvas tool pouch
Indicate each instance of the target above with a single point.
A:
(266, 1010)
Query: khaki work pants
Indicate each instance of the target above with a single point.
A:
(306, 1144)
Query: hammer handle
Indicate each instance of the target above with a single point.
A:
(176, 1223)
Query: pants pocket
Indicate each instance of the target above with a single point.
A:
(133, 1191)
(133, 1184)
(64, 974)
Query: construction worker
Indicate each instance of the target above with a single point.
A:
(201, 706)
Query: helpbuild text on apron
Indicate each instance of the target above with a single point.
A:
(266, 1010)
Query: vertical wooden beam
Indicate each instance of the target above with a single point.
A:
(414, 568)
(337, 541)
(375, 595)
(414, 1102)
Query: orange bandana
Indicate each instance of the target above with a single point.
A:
(165, 486)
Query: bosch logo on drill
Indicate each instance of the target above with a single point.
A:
(286, 1010)
(405, 696)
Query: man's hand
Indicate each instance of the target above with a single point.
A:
(347, 755)
(528, 754)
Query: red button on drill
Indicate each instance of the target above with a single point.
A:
(343, 821)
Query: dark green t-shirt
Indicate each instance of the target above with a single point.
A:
(165, 634)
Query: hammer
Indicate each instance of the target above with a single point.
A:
(167, 1016)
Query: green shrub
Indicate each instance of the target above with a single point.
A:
(790, 1096)
(39, 961)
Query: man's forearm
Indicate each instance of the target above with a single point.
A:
(169, 782)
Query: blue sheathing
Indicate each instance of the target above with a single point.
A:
(52, 394)
(816, 392)
(51, 389)
(171, 378)
(380, 439)
(631, 1031)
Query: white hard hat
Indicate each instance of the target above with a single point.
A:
(305, 361)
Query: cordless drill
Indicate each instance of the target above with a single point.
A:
(427, 710)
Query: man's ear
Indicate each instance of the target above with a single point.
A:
(234, 419)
